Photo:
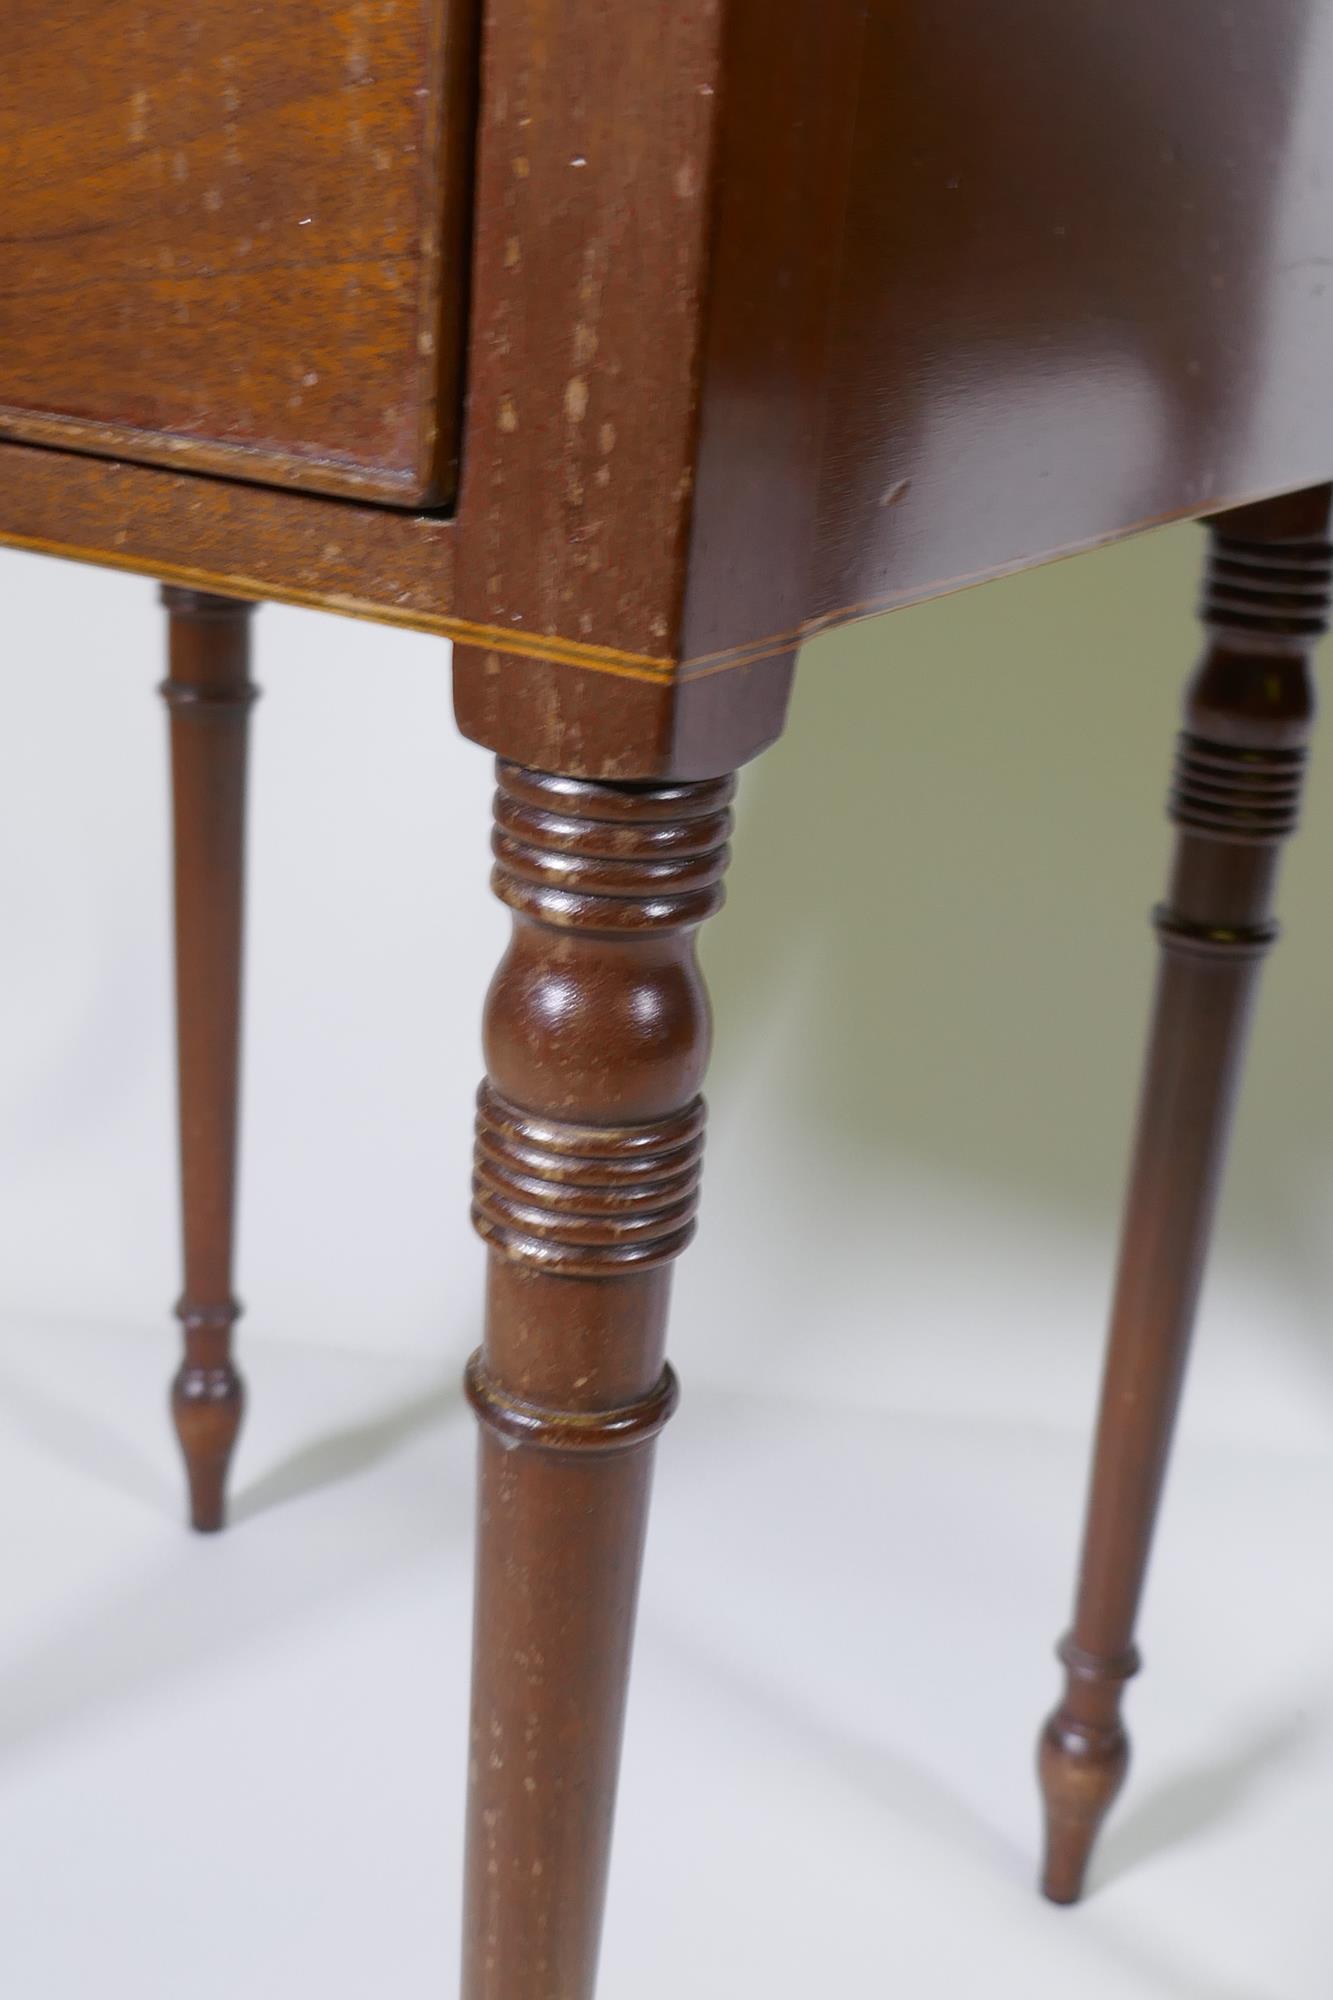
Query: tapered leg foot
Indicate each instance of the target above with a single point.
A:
(1079, 1790)
(589, 1147)
(1082, 1762)
(1236, 795)
(207, 1404)
(208, 694)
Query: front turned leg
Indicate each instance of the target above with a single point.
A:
(208, 694)
(1236, 792)
(589, 1140)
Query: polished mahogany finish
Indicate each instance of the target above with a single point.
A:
(234, 236)
(589, 1147)
(1235, 798)
(209, 694)
(781, 315)
(1084, 282)
(778, 313)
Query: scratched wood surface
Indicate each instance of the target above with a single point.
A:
(1084, 282)
(232, 235)
(782, 312)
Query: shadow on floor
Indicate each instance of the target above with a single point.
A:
(344, 1454)
(1203, 1796)
(192, 1603)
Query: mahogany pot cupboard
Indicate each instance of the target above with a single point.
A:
(625, 346)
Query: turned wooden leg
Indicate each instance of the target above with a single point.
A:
(589, 1138)
(208, 695)
(1235, 798)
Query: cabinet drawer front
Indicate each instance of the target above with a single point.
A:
(232, 235)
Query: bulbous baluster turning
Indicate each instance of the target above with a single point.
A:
(586, 1184)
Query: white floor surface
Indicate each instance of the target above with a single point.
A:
(232, 1769)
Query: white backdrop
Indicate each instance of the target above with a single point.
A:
(930, 984)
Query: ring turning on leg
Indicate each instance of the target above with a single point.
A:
(209, 695)
(1236, 794)
(588, 1155)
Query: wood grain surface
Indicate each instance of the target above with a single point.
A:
(233, 235)
(786, 312)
